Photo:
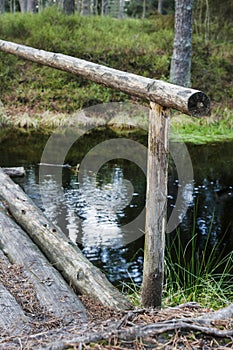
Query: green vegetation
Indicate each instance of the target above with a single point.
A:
(218, 127)
(139, 46)
(197, 274)
(193, 274)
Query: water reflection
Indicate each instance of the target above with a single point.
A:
(98, 205)
(95, 215)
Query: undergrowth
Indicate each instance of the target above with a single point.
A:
(139, 46)
(194, 272)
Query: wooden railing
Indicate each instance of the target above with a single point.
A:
(162, 97)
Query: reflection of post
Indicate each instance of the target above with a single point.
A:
(156, 204)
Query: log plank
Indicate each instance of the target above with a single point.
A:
(186, 100)
(14, 171)
(60, 251)
(12, 318)
(52, 292)
(156, 206)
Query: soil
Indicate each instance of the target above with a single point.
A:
(49, 333)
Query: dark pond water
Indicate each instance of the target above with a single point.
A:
(98, 215)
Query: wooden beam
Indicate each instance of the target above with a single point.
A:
(188, 101)
(65, 256)
(156, 206)
(13, 320)
(52, 292)
(14, 171)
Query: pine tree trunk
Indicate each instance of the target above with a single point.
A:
(27, 6)
(104, 8)
(68, 7)
(160, 7)
(31, 6)
(2, 6)
(86, 7)
(144, 9)
(180, 72)
(121, 8)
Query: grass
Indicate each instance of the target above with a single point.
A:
(194, 272)
(202, 277)
(210, 288)
(218, 127)
(139, 46)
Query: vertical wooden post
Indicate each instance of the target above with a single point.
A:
(156, 206)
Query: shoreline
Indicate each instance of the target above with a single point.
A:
(216, 128)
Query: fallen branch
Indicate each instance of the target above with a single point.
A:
(150, 330)
(60, 251)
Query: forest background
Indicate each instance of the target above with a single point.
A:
(134, 36)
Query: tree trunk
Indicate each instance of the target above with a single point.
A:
(2, 6)
(144, 9)
(86, 7)
(160, 7)
(60, 251)
(104, 7)
(156, 206)
(68, 7)
(23, 5)
(27, 6)
(121, 9)
(180, 72)
(31, 6)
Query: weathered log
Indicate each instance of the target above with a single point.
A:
(12, 318)
(14, 172)
(53, 293)
(156, 206)
(60, 251)
(189, 101)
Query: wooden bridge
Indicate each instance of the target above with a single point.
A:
(48, 259)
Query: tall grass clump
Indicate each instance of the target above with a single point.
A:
(197, 272)
(194, 272)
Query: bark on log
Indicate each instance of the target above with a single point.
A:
(189, 101)
(156, 206)
(12, 318)
(60, 251)
(14, 172)
(52, 292)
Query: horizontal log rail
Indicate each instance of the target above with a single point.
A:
(162, 97)
(186, 100)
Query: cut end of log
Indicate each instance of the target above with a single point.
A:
(14, 172)
(199, 105)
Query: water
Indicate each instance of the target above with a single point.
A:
(98, 215)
